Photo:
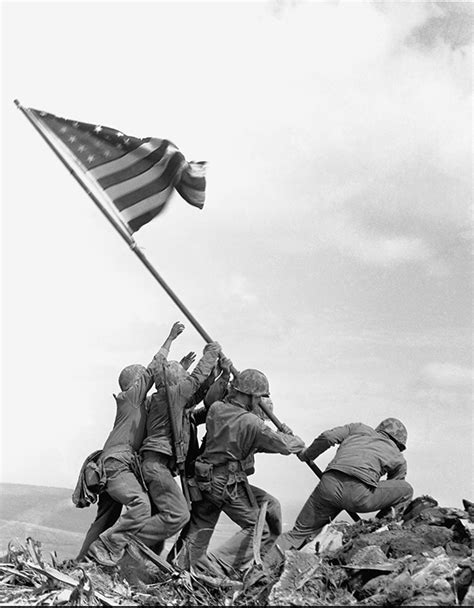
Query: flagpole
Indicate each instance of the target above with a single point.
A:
(199, 328)
(117, 224)
(128, 238)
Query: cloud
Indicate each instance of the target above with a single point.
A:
(237, 287)
(448, 375)
(375, 155)
(448, 23)
(375, 249)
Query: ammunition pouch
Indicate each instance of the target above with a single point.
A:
(235, 475)
(203, 475)
(194, 492)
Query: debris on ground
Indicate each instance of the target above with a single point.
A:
(423, 557)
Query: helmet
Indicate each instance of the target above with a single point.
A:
(174, 373)
(395, 429)
(129, 374)
(252, 382)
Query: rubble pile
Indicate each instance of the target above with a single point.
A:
(421, 558)
(27, 579)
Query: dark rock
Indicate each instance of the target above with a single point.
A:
(436, 536)
(417, 505)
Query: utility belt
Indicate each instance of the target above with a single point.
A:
(234, 470)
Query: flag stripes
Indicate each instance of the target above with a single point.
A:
(133, 166)
(136, 176)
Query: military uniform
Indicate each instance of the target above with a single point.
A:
(159, 465)
(351, 480)
(120, 461)
(234, 435)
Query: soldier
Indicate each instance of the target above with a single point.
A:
(235, 432)
(215, 389)
(351, 480)
(120, 460)
(176, 390)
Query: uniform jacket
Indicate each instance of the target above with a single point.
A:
(130, 420)
(364, 453)
(235, 434)
(182, 395)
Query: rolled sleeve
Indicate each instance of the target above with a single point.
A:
(157, 362)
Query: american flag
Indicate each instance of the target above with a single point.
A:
(136, 176)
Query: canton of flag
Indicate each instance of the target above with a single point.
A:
(137, 176)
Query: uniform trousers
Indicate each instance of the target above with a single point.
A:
(170, 506)
(337, 492)
(241, 503)
(124, 488)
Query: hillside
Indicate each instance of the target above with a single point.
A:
(49, 516)
(46, 514)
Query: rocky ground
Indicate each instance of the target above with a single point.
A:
(423, 558)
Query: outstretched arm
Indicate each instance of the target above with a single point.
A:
(218, 388)
(325, 441)
(202, 370)
(137, 392)
(278, 442)
(175, 331)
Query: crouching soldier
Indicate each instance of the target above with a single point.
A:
(120, 460)
(235, 432)
(351, 480)
(163, 451)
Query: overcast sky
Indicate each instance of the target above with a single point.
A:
(333, 251)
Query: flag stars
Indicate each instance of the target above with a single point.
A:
(90, 158)
(97, 129)
(120, 134)
(81, 148)
(72, 139)
(63, 130)
(106, 154)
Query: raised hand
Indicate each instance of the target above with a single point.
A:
(176, 330)
(188, 360)
(302, 455)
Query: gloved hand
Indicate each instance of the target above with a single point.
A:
(302, 455)
(286, 429)
(225, 364)
(212, 347)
